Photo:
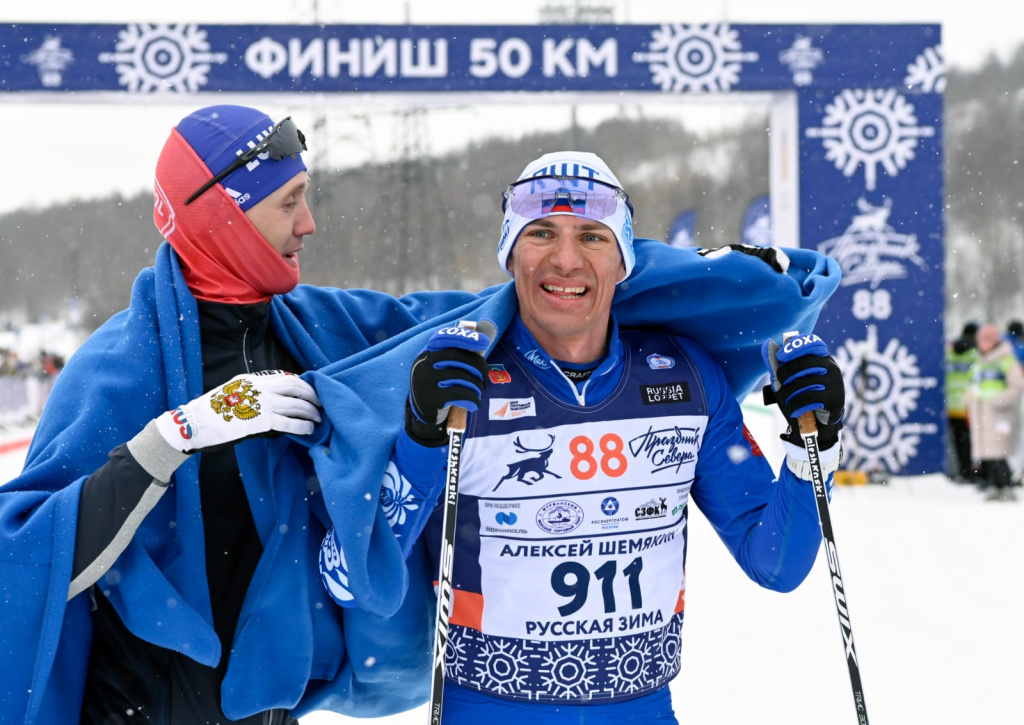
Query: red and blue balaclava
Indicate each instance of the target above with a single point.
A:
(223, 256)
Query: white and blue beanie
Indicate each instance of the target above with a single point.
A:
(580, 164)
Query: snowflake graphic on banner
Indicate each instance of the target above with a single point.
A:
(870, 250)
(928, 72)
(802, 58)
(883, 388)
(695, 57)
(162, 57)
(51, 59)
(870, 127)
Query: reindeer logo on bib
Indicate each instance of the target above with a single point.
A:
(537, 466)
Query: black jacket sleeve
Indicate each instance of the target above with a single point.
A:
(114, 501)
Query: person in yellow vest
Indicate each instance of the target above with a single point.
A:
(993, 404)
(1015, 336)
(960, 355)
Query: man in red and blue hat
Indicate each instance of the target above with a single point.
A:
(146, 572)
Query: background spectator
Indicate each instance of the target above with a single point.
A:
(993, 409)
(960, 356)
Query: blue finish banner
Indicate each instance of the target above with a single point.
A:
(673, 58)
(871, 196)
(868, 111)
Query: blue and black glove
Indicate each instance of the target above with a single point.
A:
(804, 377)
(450, 371)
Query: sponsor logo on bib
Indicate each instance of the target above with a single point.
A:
(559, 517)
(651, 510)
(667, 448)
(666, 393)
(660, 362)
(509, 408)
(609, 507)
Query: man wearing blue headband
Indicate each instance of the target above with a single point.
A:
(584, 445)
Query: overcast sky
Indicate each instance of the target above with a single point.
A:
(44, 140)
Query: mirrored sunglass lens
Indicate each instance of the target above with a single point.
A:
(540, 197)
(566, 200)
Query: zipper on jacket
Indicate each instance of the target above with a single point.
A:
(245, 349)
(581, 395)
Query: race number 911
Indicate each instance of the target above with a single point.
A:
(572, 579)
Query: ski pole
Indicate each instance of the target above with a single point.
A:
(809, 433)
(456, 430)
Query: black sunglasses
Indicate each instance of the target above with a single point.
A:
(284, 139)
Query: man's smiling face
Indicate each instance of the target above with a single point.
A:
(566, 268)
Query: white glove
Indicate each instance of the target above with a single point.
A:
(247, 405)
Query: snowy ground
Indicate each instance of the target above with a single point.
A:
(933, 576)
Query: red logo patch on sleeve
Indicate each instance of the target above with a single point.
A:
(498, 374)
(754, 448)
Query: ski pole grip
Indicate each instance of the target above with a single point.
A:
(456, 415)
(457, 419)
(807, 422)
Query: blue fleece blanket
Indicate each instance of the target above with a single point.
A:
(294, 641)
(296, 649)
(729, 304)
